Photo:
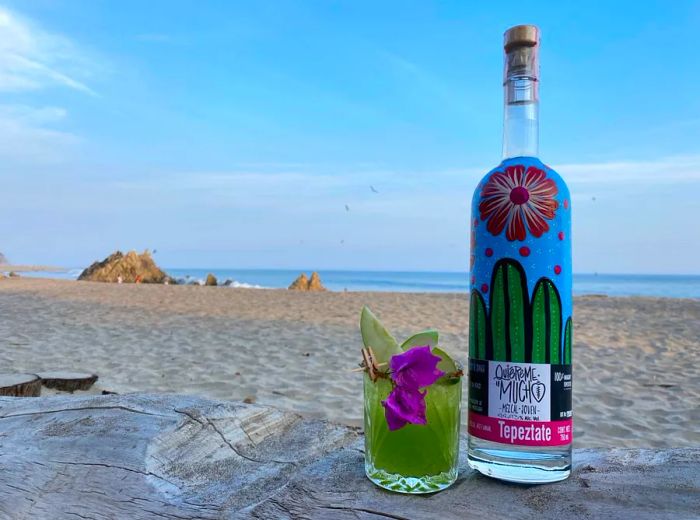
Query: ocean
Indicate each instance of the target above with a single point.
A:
(671, 286)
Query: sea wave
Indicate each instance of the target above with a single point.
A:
(190, 280)
(674, 286)
(243, 285)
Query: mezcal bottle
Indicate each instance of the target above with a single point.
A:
(520, 329)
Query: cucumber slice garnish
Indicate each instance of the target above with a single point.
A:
(426, 337)
(376, 336)
(448, 365)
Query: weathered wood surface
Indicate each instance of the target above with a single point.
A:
(173, 456)
(20, 385)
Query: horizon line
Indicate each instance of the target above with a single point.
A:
(38, 268)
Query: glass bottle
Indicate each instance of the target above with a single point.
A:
(520, 331)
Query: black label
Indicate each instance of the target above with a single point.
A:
(479, 386)
(561, 381)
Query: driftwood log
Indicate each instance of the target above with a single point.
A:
(20, 385)
(173, 456)
(67, 381)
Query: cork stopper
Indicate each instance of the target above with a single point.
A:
(521, 45)
(521, 36)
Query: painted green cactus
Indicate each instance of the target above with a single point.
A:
(546, 323)
(508, 308)
(477, 326)
(516, 328)
(568, 330)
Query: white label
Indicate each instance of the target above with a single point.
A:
(519, 391)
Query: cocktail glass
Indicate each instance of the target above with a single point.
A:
(416, 458)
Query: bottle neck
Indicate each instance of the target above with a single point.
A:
(521, 117)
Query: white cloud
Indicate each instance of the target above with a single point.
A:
(32, 115)
(398, 189)
(32, 58)
(678, 169)
(25, 137)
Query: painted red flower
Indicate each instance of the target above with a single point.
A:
(518, 198)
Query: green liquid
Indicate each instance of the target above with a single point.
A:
(415, 451)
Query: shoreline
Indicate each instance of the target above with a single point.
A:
(591, 285)
(245, 287)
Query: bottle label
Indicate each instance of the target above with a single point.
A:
(520, 330)
(520, 403)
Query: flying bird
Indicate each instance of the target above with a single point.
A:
(347, 208)
(373, 189)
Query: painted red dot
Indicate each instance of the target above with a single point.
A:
(484, 288)
(566, 203)
(489, 252)
(561, 235)
(557, 269)
(473, 280)
(524, 251)
(476, 222)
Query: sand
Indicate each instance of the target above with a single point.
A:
(8, 268)
(636, 360)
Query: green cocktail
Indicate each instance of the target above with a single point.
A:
(412, 397)
(418, 458)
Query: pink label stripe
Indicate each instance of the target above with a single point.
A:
(521, 433)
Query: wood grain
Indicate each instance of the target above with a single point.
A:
(175, 456)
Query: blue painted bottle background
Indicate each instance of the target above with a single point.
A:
(521, 211)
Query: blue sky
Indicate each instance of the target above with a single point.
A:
(234, 134)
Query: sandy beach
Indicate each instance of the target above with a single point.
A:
(636, 360)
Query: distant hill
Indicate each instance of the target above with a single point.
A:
(3, 259)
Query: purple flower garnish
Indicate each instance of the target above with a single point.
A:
(403, 406)
(414, 369)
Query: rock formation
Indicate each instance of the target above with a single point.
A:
(315, 283)
(211, 280)
(302, 283)
(132, 268)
